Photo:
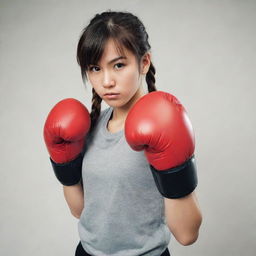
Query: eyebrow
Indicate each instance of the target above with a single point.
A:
(115, 59)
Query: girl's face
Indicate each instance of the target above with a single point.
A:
(118, 74)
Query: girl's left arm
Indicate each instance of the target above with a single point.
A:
(183, 218)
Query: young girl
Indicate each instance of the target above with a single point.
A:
(108, 184)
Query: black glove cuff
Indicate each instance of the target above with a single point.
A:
(176, 182)
(69, 173)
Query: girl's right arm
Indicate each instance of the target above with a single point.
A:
(74, 196)
(65, 130)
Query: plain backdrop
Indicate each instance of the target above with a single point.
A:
(204, 53)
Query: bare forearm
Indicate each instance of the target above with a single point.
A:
(74, 196)
(183, 218)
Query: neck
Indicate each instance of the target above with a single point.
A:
(120, 113)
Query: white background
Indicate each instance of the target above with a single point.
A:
(204, 53)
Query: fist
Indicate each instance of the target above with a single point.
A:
(65, 130)
(158, 124)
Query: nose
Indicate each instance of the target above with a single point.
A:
(108, 80)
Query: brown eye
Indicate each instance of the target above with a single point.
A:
(92, 67)
(119, 65)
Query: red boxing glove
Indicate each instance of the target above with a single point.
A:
(159, 125)
(65, 131)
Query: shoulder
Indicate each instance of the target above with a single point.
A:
(104, 113)
(101, 118)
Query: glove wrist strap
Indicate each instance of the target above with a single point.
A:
(69, 173)
(176, 182)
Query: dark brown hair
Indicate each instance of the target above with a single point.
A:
(127, 31)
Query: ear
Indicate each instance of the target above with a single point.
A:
(145, 63)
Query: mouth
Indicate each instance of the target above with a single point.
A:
(111, 95)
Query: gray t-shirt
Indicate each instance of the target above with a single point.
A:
(123, 211)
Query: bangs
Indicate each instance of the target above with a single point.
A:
(92, 44)
(94, 52)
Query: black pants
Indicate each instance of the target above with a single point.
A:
(81, 252)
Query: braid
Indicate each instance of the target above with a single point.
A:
(95, 109)
(150, 78)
